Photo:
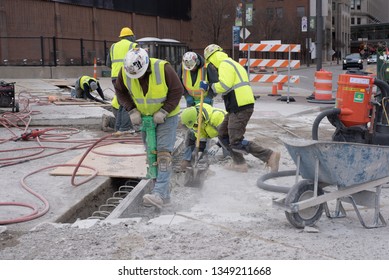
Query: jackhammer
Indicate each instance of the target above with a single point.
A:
(359, 116)
(148, 127)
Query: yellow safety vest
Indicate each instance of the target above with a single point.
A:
(118, 51)
(115, 102)
(149, 103)
(194, 90)
(85, 80)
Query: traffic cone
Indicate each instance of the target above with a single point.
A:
(274, 87)
(95, 69)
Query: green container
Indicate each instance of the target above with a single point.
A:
(106, 73)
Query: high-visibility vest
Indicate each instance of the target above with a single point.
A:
(85, 80)
(149, 103)
(194, 90)
(115, 102)
(117, 52)
(212, 119)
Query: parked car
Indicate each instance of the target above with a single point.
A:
(353, 60)
(371, 59)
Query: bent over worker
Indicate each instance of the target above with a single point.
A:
(150, 87)
(85, 85)
(212, 119)
(233, 84)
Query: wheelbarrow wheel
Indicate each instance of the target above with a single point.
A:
(303, 190)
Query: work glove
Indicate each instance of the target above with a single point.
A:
(160, 116)
(208, 100)
(213, 150)
(204, 85)
(135, 117)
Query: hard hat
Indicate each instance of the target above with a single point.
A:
(136, 62)
(93, 86)
(189, 117)
(190, 60)
(126, 31)
(210, 50)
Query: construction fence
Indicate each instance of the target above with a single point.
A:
(52, 51)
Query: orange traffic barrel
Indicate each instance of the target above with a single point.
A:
(323, 85)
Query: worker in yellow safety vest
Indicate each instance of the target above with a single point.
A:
(120, 121)
(212, 119)
(234, 87)
(85, 85)
(151, 87)
(193, 70)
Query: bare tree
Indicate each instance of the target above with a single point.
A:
(214, 20)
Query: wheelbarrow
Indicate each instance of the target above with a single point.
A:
(341, 171)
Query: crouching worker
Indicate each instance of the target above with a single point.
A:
(85, 85)
(150, 87)
(212, 118)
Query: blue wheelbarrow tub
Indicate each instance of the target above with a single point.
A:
(340, 163)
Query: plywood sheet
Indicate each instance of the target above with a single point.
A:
(115, 160)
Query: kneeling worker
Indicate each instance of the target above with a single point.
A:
(214, 119)
(85, 85)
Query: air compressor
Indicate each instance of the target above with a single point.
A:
(360, 115)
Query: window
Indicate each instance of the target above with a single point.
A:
(279, 12)
(300, 11)
(352, 20)
(359, 20)
(358, 4)
(352, 4)
(270, 13)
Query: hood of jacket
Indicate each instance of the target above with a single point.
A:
(217, 58)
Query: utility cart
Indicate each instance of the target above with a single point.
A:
(7, 96)
(334, 171)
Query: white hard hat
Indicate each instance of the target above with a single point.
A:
(136, 62)
(93, 86)
(211, 49)
(190, 60)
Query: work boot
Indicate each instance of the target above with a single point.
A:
(243, 167)
(274, 161)
(184, 164)
(153, 200)
(105, 123)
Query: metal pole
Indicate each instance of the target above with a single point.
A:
(54, 52)
(42, 52)
(319, 35)
(244, 20)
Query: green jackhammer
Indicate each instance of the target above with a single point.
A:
(148, 126)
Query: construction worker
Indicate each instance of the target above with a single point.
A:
(85, 85)
(192, 71)
(212, 118)
(150, 87)
(233, 84)
(115, 57)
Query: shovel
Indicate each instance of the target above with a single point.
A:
(195, 175)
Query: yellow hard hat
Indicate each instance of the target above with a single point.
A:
(126, 31)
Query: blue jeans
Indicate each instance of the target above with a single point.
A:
(166, 138)
(123, 121)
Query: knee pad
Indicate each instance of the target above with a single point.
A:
(164, 160)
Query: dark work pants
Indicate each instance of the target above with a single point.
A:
(233, 128)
